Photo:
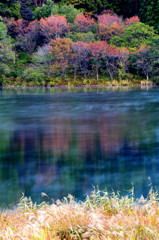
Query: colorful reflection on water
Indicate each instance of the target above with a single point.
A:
(61, 141)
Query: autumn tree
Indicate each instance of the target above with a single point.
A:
(142, 60)
(61, 54)
(96, 51)
(80, 58)
(111, 60)
(132, 20)
(85, 23)
(54, 27)
(28, 33)
(109, 26)
(107, 32)
(32, 36)
(42, 58)
(20, 27)
(109, 19)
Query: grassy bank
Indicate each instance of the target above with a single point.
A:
(71, 83)
(101, 216)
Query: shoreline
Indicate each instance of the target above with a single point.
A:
(79, 86)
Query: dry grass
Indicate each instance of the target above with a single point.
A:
(101, 216)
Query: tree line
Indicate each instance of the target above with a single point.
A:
(55, 43)
(147, 10)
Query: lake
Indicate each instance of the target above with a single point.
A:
(60, 141)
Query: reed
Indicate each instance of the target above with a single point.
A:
(101, 216)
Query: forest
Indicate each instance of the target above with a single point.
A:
(108, 42)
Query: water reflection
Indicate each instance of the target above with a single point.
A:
(61, 141)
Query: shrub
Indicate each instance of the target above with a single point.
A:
(69, 11)
(34, 75)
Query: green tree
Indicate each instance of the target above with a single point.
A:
(154, 62)
(84, 37)
(15, 10)
(25, 11)
(126, 8)
(96, 6)
(6, 54)
(135, 36)
(69, 11)
(149, 12)
(45, 10)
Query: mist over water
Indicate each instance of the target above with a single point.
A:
(61, 141)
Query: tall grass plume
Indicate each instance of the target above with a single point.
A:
(101, 216)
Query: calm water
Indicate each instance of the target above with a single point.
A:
(62, 141)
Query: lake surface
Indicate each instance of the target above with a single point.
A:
(61, 141)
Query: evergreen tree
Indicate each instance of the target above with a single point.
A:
(154, 62)
(6, 53)
(126, 8)
(149, 12)
(25, 11)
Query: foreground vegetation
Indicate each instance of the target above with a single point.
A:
(101, 216)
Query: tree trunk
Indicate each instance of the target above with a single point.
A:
(110, 74)
(75, 71)
(97, 74)
(85, 74)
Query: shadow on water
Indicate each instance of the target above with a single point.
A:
(61, 141)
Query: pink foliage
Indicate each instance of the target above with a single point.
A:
(97, 49)
(102, 50)
(81, 57)
(130, 21)
(20, 27)
(54, 26)
(112, 51)
(124, 54)
(28, 32)
(33, 27)
(80, 49)
(84, 22)
(109, 20)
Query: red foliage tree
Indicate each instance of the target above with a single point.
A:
(84, 22)
(81, 57)
(130, 21)
(109, 20)
(111, 60)
(20, 27)
(97, 52)
(143, 60)
(107, 32)
(32, 34)
(54, 27)
(61, 54)
(109, 26)
(29, 32)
